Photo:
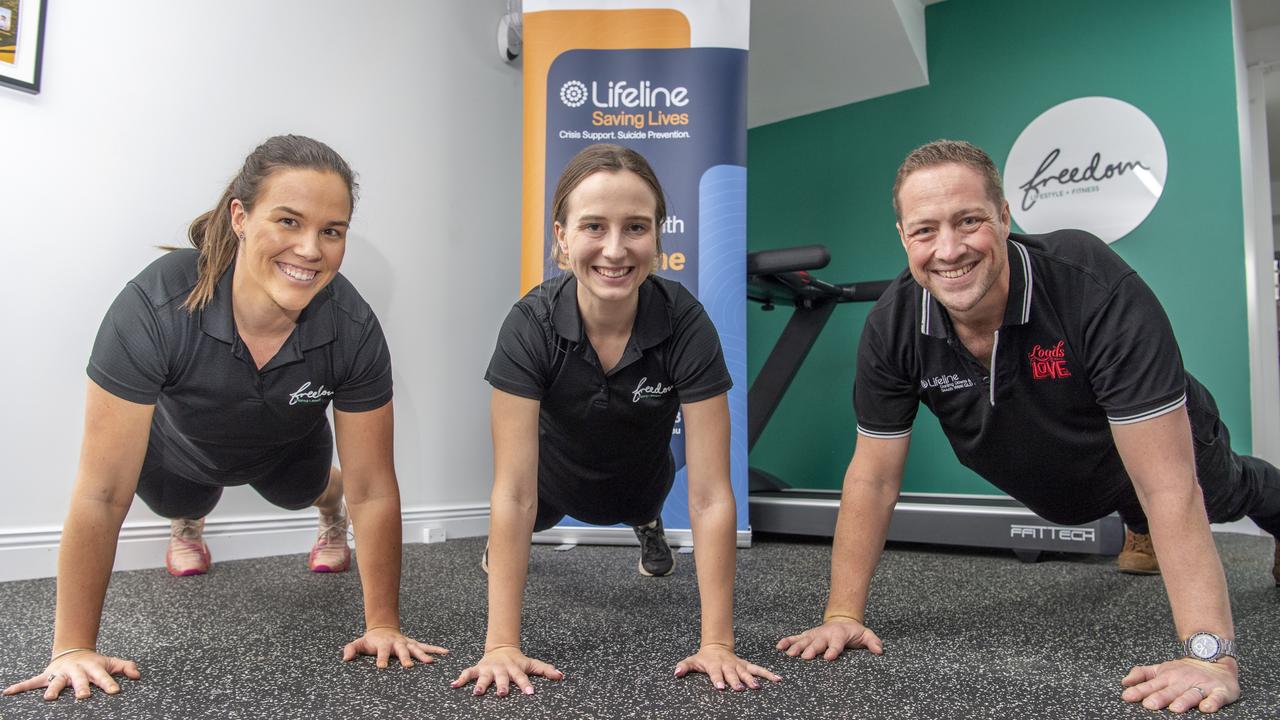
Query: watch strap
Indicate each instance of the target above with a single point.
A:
(1226, 648)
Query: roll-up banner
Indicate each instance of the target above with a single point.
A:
(669, 80)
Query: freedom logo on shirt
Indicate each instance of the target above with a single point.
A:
(1049, 363)
(306, 396)
(643, 391)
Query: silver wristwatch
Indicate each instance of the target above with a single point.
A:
(1208, 647)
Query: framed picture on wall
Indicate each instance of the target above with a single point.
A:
(21, 43)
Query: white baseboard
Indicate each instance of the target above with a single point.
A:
(27, 554)
(598, 535)
(1244, 526)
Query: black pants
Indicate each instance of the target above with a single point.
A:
(1234, 486)
(604, 505)
(294, 483)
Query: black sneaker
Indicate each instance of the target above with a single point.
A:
(656, 559)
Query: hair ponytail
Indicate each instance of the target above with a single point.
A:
(213, 236)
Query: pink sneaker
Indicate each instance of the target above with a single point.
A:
(331, 554)
(188, 554)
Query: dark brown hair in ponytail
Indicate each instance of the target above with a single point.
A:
(212, 234)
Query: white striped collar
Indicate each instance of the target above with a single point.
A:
(1017, 309)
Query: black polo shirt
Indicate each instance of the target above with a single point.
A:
(1084, 345)
(218, 418)
(615, 427)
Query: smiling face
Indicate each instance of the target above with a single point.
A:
(609, 236)
(955, 241)
(293, 241)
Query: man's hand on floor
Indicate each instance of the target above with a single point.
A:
(1183, 684)
(830, 639)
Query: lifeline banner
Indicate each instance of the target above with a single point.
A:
(667, 78)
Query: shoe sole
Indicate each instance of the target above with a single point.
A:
(1137, 564)
(189, 572)
(321, 568)
(325, 568)
(646, 573)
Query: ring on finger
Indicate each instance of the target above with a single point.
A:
(1203, 694)
(52, 677)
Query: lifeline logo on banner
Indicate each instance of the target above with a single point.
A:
(666, 78)
(1093, 163)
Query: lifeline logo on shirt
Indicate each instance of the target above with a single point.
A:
(306, 396)
(946, 383)
(1049, 363)
(643, 391)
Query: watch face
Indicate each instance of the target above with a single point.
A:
(1204, 645)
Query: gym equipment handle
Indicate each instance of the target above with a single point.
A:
(773, 262)
(864, 291)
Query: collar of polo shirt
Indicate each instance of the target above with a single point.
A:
(1017, 311)
(652, 324)
(316, 323)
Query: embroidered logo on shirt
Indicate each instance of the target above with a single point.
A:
(946, 383)
(1049, 363)
(306, 396)
(643, 391)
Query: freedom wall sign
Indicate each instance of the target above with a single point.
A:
(1094, 163)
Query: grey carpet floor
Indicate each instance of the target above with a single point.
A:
(968, 634)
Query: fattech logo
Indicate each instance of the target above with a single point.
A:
(1051, 532)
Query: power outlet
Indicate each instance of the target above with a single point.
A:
(433, 535)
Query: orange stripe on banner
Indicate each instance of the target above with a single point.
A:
(547, 34)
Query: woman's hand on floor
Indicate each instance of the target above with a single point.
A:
(830, 639)
(502, 667)
(385, 642)
(81, 670)
(724, 668)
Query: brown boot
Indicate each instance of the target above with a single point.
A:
(1137, 557)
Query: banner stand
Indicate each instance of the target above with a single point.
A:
(666, 78)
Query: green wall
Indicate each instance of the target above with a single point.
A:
(994, 65)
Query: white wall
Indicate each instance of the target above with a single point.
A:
(819, 54)
(1259, 248)
(147, 109)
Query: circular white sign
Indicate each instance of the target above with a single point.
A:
(1093, 163)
